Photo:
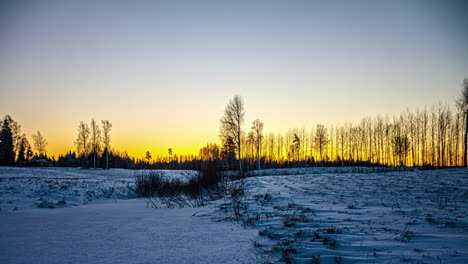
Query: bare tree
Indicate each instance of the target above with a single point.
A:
(249, 148)
(95, 140)
(106, 128)
(257, 128)
(16, 135)
(462, 104)
(231, 125)
(401, 147)
(210, 152)
(82, 140)
(444, 120)
(40, 144)
(321, 139)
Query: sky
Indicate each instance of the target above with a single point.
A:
(162, 71)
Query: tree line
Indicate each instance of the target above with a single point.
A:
(15, 148)
(432, 136)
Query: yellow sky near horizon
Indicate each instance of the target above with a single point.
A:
(184, 133)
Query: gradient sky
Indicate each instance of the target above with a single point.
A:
(163, 71)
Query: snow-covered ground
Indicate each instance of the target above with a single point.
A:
(318, 170)
(414, 216)
(26, 188)
(120, 232)
(101, 221)
(322, 215)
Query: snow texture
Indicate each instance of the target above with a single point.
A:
(89, 226)
(26, 188)
(318, 215)
(120, 232)
(413, 216)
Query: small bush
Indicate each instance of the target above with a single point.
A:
(237, 189)
(316, 259)
(287, 255)
(430, 220)
(333, 230)
(250, 221)
(45, 204)
(405, 236)
(288, 222)
(329, 242)
(315, 236)
(208, 184)
(149, 184)
(256, 243)
(449, 224)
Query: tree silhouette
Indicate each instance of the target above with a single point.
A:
(95, 140)
(24, 150)
(148, 156)
(7, 152)
(228, 153)
(401, 146)
(462, 104)
(296, 147)
(231, 125)
(321, 139)
(106, 128)
(257, 129)
(82, 141)
(40, 144)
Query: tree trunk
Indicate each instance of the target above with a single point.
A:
(465, 161)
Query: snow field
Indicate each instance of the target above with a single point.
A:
(315, 215)
(121, 231)
(414, 217)
(26, 188)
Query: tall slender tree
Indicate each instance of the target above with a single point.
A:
(82, 141)
(296, 148)
(462, 104)
(40, 144)
(231, 125)
(321, 139)
(95, 140)
(106, 128)
(257, 128)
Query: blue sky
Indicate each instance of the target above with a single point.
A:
(162, 68)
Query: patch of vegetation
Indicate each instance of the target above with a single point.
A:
(405, 236)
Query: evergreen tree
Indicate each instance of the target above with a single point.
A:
(296, 146)
(23, 148)
(7, 152)
(148, 157)
(228, 153)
